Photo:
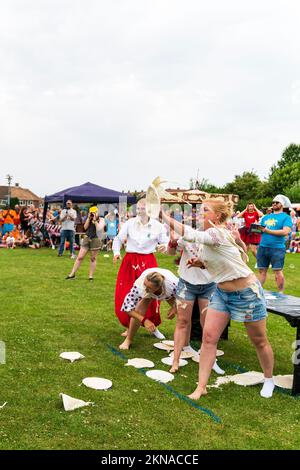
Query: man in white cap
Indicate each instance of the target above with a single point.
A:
(271, 250)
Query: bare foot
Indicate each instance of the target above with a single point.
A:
(125, 333)
(197, 394)
(174, 368)
(126, 344)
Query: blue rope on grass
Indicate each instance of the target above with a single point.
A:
(184, 398)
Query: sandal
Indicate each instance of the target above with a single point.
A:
(71, 277)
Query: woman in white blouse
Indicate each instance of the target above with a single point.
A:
(154, 284)
(238, 296)
(142, 236)
(195, 285)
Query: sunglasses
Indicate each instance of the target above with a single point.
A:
(276, 202)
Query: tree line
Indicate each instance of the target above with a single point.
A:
(284, 178)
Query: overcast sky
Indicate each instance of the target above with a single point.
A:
(117, 92)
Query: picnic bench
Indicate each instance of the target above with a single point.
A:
(288, 306)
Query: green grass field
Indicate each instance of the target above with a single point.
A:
(42, 314)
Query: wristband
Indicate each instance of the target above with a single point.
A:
(143, 321)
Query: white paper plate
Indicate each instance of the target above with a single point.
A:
(163, 346)
(196, 358)
(71, 403)
(168, 342)
(139, 363)
(71, 356)
(169, 361)
(284, 381)
(160, 376)
(97, 383)
(219, 353)
(184, 355)
(248, 378)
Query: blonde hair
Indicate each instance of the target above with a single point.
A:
(222, 208)
(156, 278)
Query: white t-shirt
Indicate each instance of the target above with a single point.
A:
(141, 238)
(138, 290)
(68, 224)
(194, 276)
(219, 252)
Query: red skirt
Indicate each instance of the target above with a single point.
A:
(249, 238)
(130, 270)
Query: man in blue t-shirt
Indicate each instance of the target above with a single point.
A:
(271, 250)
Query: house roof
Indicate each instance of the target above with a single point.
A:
(23, 194)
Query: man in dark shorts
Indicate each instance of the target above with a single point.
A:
(271, 250)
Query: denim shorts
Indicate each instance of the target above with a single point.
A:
(274, 256)
(247, 305)
(191, 292)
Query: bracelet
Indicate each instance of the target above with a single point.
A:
(173, 244)
(143, 321)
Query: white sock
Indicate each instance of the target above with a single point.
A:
(218, 369)
(158, 334)
(268, 387)
(190, 349)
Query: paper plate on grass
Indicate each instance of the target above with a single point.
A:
(139, 363)
(97, 383)
(71, 403)
(248, 378)
(160, 376)
(168, 342)
(219, 353)
(163, 346)
(71, 356)
(184, 355)
(284, 381)
(169, 361)
(196, 358)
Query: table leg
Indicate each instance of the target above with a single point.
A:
(296, 380)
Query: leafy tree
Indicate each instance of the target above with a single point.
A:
(14, 201)
(247, 186)
(282, 179)
(293, 193)
(289, 156)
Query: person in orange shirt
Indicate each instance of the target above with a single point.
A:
(17, 217)
(15, 233)
(1, 222)
(9, 217)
